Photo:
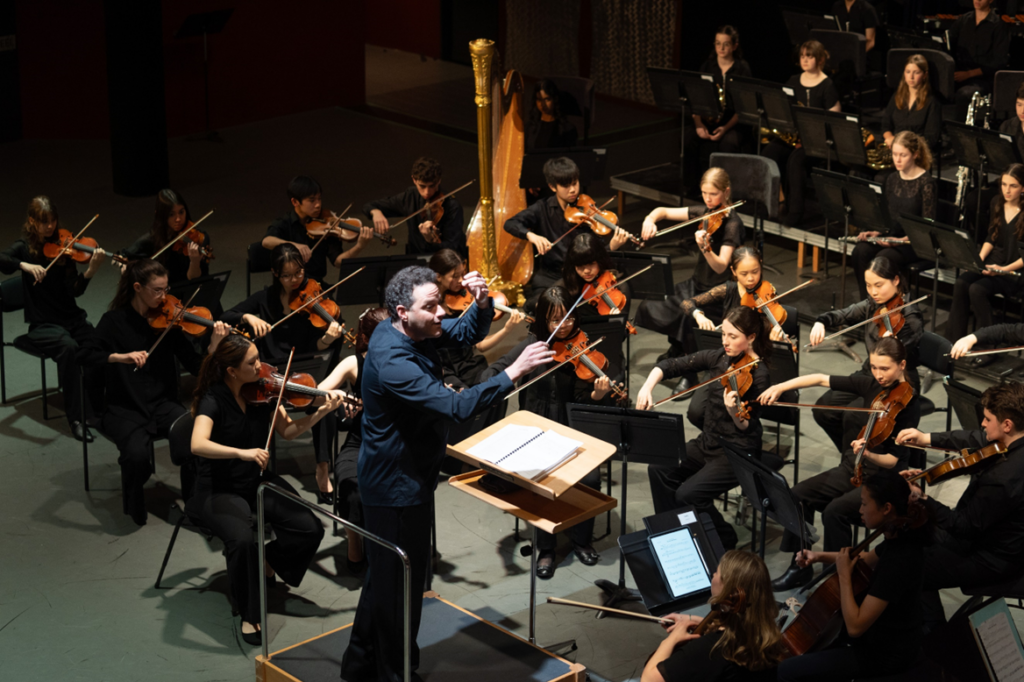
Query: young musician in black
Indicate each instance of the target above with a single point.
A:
(911, 190)
(546, 125)
(585, 262)
(142, 389)
(995, 336)
(857, 16)
(56, 325)
(981, 540)
(169, 219)
(884, 284)
(882, 631)
(307, 206)
(974, 293)
(832, 492)
(980, 43)
(229, 438)
(425, 234)
(706, 472)
(913, 107)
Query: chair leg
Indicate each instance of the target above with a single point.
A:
(42, 373)
(85, 442)
(170, 546)
(796, 451)
(3, 368)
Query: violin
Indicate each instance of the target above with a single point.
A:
(195, 237)
(880, 425)
(194, 321)
(350, 338)
(741, 381)
(299, 389)
(587, 212)
(710, 225)
(889, 319)
(967, 462)
(762, 299)
(322, 312)
(607, 297)
(588, 363)
(80, 250)
(318, 228)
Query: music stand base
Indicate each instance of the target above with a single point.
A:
(615, 594)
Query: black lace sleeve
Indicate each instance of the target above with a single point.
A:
(709, 297)
(929, 198)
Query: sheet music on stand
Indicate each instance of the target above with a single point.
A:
(999, 642)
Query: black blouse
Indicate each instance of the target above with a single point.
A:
(296, 332)
(729, 234)
(914, 197)
(1005, 247)
(984, 46)
(1012, 127)
(926, 121)
(910, 334)
(822, 96)
(556, 134)
(908, 418)
(699, 661)
(739, 68)
(52, 300)
(235, 429)
(177, 264)
(860, 17)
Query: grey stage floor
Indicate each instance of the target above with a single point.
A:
(77, 600)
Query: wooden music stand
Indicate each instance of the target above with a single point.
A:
(552, 504)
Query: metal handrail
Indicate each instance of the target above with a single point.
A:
(406, 566)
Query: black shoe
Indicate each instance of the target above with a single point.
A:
(681, 385)
(546, 571)
(587, 555)
(793, 577)
(251, 638)
(356, 568)
(81, 432)
(325, 498)
(982, 361)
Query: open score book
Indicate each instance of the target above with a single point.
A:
(529, 451)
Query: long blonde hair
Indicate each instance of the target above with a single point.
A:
(750, 635)
(903, 91)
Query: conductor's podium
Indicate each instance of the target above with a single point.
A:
(455, 646)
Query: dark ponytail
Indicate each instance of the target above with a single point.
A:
(744, 252)
(886, 269)
(750, 322)
(166, 200)
(141, 271)
(890, 347)
(887, 486)
(586, 248)
(230, 352)
(282, 255)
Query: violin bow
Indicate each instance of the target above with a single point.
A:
(177, 316)
(280, 397)
(337, 221)
(552, 369)
(691, 221)
(991, 351)
(564, 318)
(861, 324)
(595, 607)
(67, 247)
(569, 231)
(620, 282)
(836, 408)
(723, 375)
(316, 299)
(180, 235)
(430, 204)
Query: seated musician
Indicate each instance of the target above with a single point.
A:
(706, 472)
(169, 219)
(811, 88)
(549, 396)
(586, 263)
(56, 325)
(425, 234)
(462, 366)
(882, 631)
(981, 540)
(884, 285)
(973, 293)
(912, 107)
(980, 44)
(349, 373)
(268, 307)
(995, 336)
(1014, 127)
(857, 16)
(229, 437)
(307, 207)
(141, 389)
(744, 644)
(832, 492)
(711, 270)
(546, 125)
(911, 190)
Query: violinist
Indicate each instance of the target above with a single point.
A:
(811, 88)
(911, 190)
(885, 289)
(999, 336)
(981, 540)
(882, 630)
(548, 397)
(587, 263)
(832, 492)
(729, 415)
(973, 293)
(56, 325)
(462, 366)
(141, 389)
(440, 228)
(745, 644)
(229, 437)
(307, 207)
(184, 261)
(667, 317)
(349, 373)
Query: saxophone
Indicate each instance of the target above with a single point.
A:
(963, 174)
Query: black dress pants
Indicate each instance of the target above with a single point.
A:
(232, 518)
(61, 344)
(950, 563)
(582, 533)
(376, 648)
(974, 293)
(705, 474)
(832, 494)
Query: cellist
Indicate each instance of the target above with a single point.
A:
(981, 540)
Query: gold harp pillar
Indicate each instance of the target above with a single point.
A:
(481, 52)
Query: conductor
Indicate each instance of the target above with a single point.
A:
(406, 412)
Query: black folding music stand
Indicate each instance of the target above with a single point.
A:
(205, 24)
(368, 286)
(656, 283)
(982, 151)
(590, 161)
(668, 94)
(800, 23)
(926, 245)
(643, 437)
(761, 104)
(966, 402)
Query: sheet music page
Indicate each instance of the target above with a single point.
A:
(1001, 648)
(681, 562)
(507, 439)
(542, 455)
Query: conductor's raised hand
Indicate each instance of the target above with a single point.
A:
(258, 455)
(533, 356)
(477, 285)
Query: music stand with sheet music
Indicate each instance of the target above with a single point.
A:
(205, 24)
(982, 151)
(590, 161)
(761, 104)
(368, 286)
(644, 437)
(668, 95)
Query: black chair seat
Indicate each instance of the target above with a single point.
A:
(927, 406)
(25, 345)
